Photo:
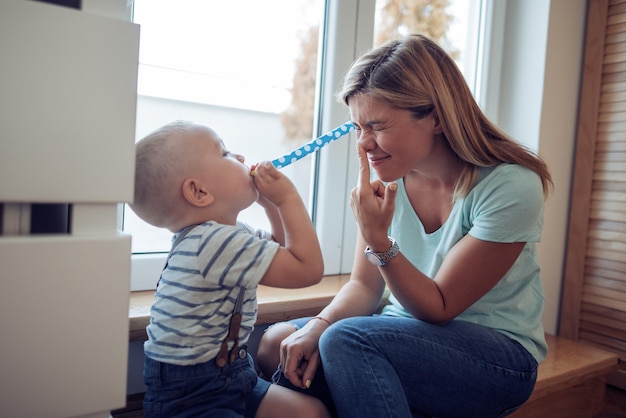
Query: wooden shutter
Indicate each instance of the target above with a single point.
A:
(593, 308)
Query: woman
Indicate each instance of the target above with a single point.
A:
(449, 226)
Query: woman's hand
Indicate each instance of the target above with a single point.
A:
(299, 354)
(372, 205)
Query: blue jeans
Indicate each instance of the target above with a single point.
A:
(385, 366)
(202, 390)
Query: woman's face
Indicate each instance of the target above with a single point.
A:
(395, 141)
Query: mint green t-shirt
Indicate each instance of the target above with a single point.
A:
(506, 205)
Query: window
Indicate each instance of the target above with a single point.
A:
(263, 74)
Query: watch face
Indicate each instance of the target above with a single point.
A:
(373, 258)
(381, 259)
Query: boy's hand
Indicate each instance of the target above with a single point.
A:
(272, 185)
(298, 262)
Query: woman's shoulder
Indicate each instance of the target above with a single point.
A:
(508, 199)
(505, 187)
(509, 179)
(507, 170)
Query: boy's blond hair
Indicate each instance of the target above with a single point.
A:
(158, 173)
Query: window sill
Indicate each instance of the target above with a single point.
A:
(274, 304)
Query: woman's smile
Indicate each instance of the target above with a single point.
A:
(377, 161)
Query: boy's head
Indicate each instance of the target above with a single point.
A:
(184, 175)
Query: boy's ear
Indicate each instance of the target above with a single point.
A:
(196, 193)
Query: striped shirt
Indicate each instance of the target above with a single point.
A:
(198, 288)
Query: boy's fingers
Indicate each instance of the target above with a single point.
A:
(253, 169)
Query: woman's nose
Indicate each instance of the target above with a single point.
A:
(365, 140)
(240, 158)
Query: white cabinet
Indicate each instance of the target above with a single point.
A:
(64, 326)
(68, 83)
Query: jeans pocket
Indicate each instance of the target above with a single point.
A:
(225, 390)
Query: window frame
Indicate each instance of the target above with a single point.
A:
(350, 24)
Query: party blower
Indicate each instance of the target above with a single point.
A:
(311, 146)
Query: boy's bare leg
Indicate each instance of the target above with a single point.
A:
(280, 402)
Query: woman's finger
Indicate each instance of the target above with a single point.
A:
(364, 167)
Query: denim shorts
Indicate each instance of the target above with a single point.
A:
(203, 389)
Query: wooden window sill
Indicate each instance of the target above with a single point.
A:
(274, 304)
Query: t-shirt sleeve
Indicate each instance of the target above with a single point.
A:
(259, 233)
(234, 257)
(507, 206)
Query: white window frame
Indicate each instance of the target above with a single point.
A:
(350, 23)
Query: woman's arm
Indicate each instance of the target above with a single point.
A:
(361, 295)
(470, 269)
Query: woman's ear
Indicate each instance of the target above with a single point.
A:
(196, 193)
(438, 127)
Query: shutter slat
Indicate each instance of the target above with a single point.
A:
(608, 106)
(599, 300)
(616, 19)
(603, 311)
(613, 127)
(613, 324)
(614, 87)
(604, 176)
(607, 342)
(605, 283)
(608, 185)
(611, 156)
(608, 196)
(606, 255)
(613, 166)
(605, 274)
(611, 137)
(616, 265)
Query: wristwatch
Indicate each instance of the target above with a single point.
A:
(381, 259)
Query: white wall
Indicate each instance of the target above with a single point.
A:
(538, 105)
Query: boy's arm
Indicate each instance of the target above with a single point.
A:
(276, 224)
(298, 262)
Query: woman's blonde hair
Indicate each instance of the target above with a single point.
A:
(415, 74)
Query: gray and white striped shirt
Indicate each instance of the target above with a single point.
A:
(199, 286)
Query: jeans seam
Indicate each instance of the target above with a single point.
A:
(381, 389)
